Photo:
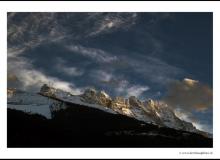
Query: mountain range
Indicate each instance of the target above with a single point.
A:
(148, 111)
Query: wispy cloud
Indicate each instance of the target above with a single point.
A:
(93, 53)
(31, 79)
(136, 90)
(62, 67)
(151, 69)
(127, 89)
(35, 28)
(102, 76)
(118, 83)
(112, 22)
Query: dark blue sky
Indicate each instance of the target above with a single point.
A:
(122, 53)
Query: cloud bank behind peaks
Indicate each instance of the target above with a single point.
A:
(189, 95)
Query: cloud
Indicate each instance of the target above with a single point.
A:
(112, 21)
(33, 80)
(102, 76)
(93, 53)
(40, 28)
(31, 30)
(108, 78)
(189, 95)
(36, 78)
(28, 78)
(70, 71)
(34, 28)
(150, 69)
(136, 90)
(127, 89)
(120, 85)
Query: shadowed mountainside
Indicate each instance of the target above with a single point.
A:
(81, 126)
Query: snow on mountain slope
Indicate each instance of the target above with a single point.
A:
(29, 102)
(26, 98)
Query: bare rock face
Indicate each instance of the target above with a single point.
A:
(104, 99)
(119, 102)
(46, 90)
(122, 106)
(92, 96)
(134, 102)
(150, 103)
(89, 96)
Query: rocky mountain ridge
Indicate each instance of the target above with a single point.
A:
(149, 111)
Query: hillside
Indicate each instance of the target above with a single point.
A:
(79, 126)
